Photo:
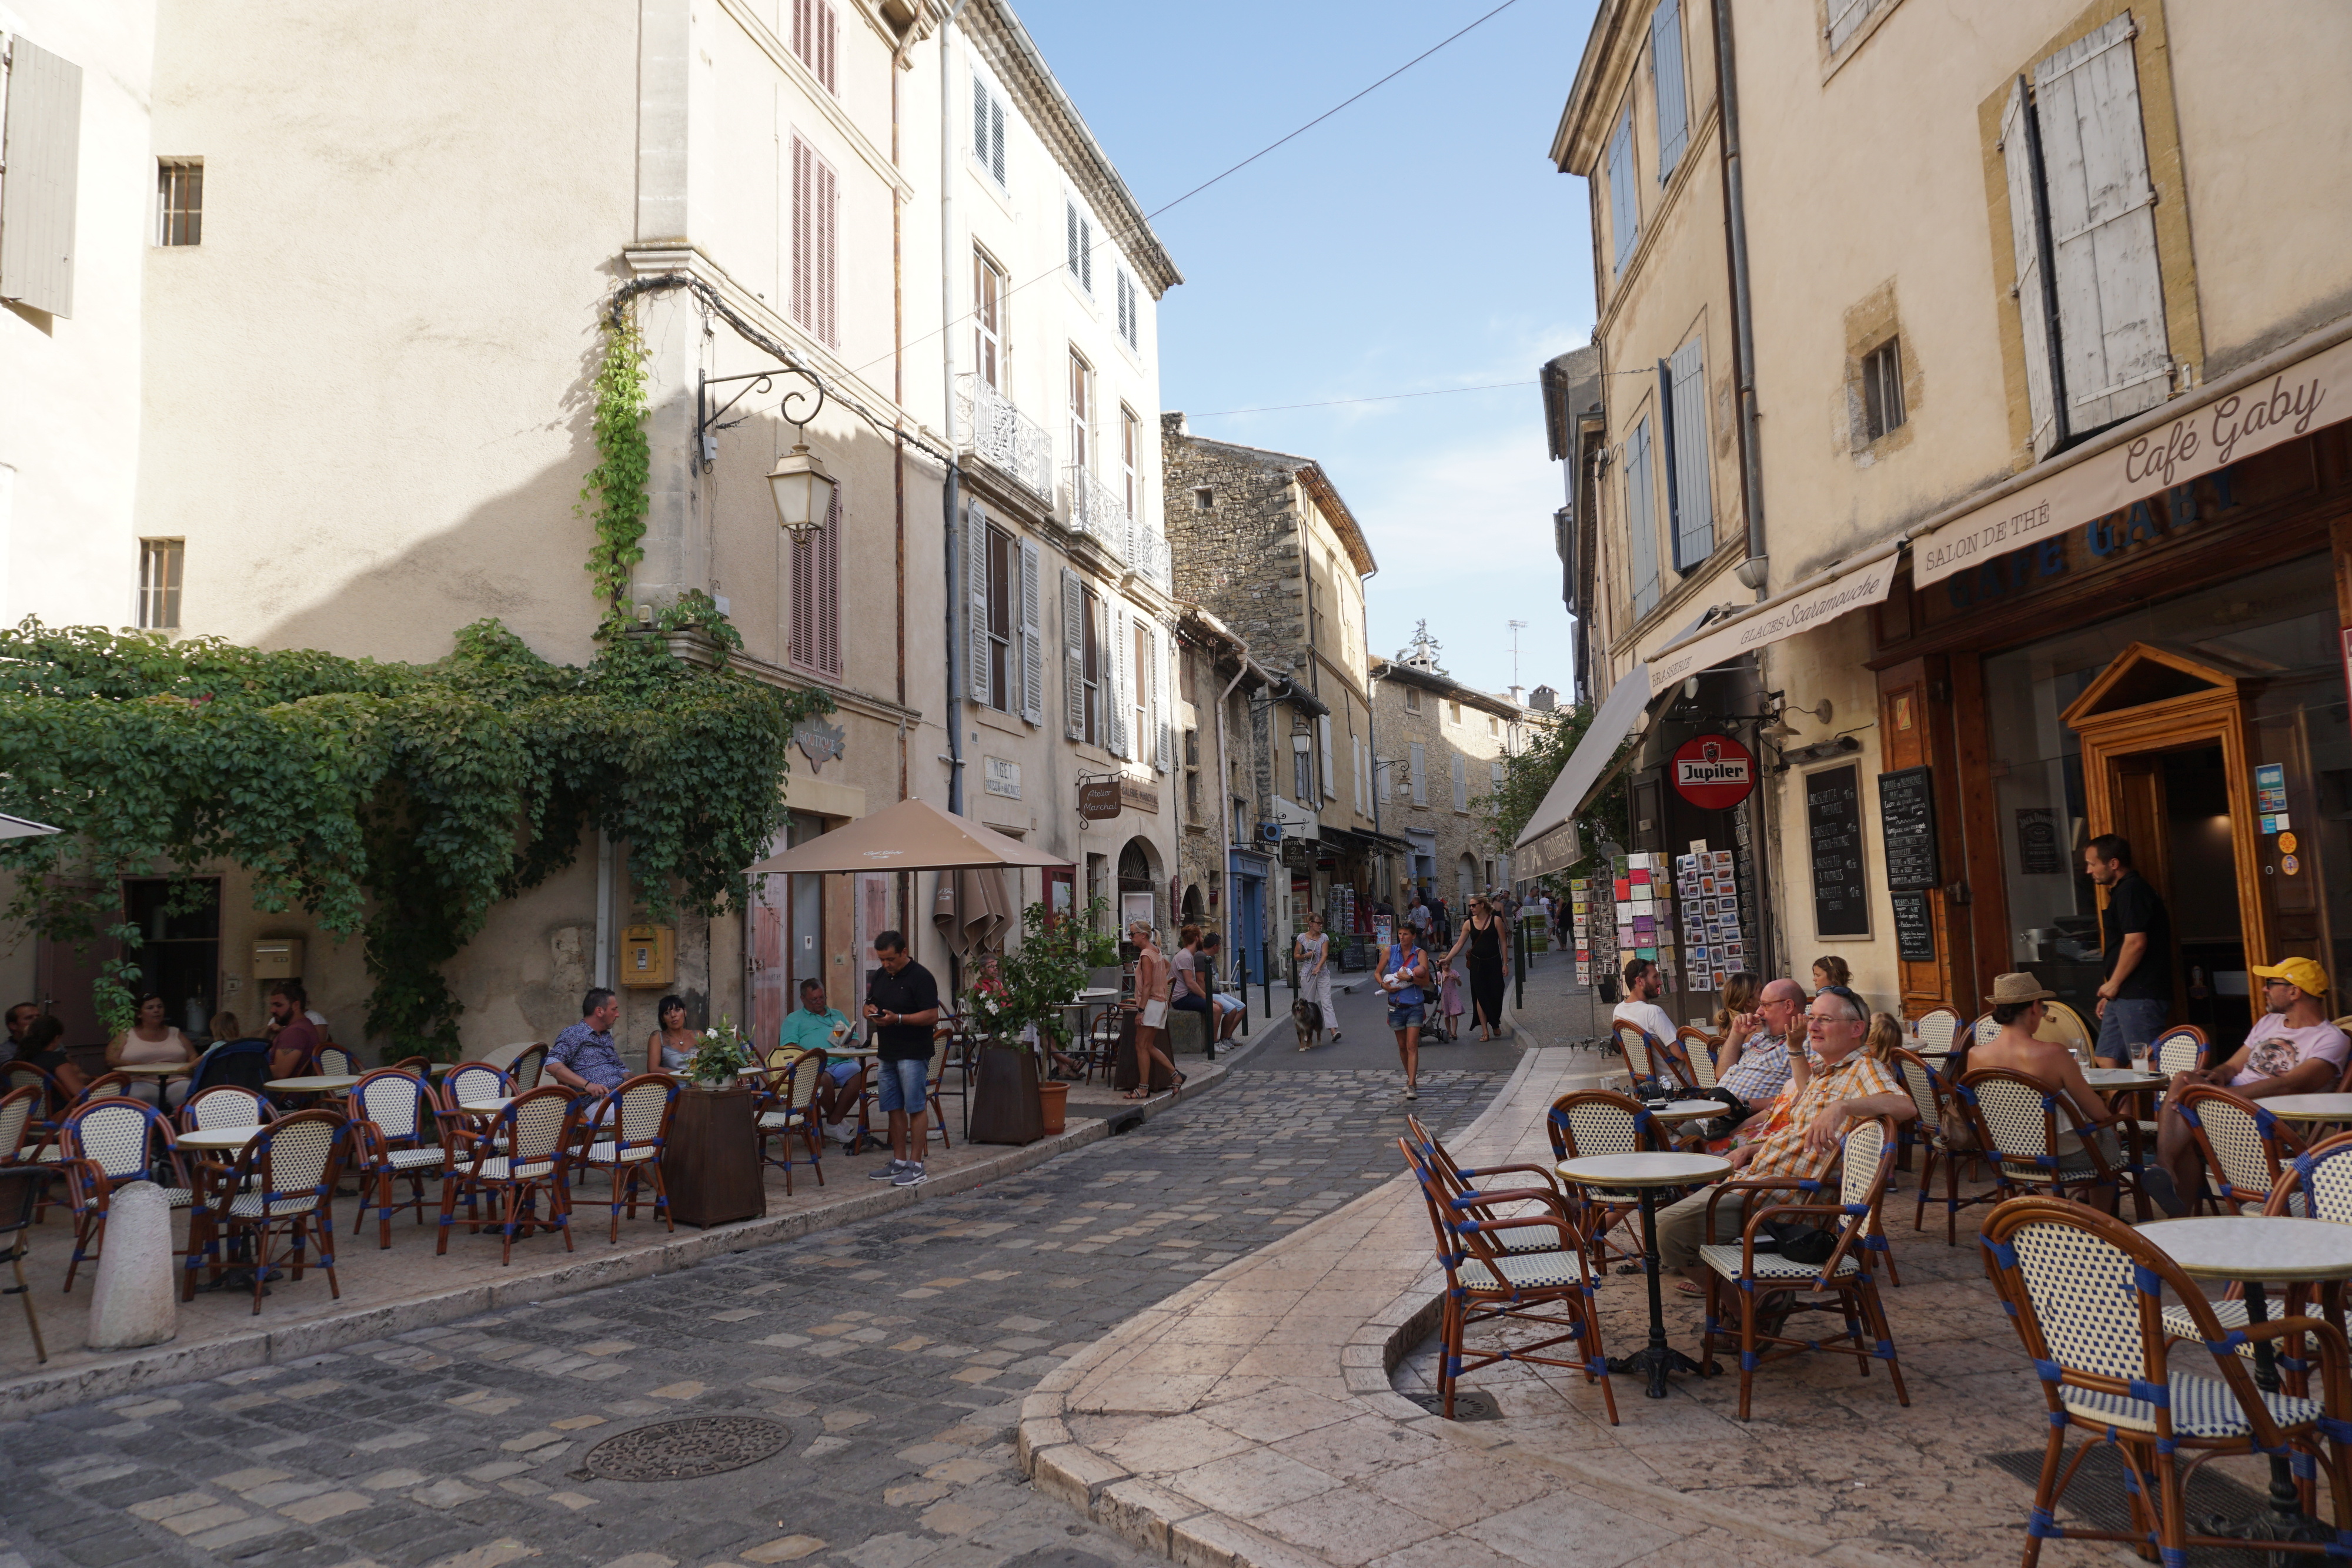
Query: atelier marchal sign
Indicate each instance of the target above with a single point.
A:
(1713, 771)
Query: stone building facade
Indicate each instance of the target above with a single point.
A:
(1441, 750)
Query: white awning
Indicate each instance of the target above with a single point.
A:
(1619, 713)
(1821, 598)
(18, 828)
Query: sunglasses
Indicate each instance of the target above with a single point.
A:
(1860, 1008)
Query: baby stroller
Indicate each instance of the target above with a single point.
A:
(1438, 1029)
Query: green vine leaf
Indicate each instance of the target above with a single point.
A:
(615, 496)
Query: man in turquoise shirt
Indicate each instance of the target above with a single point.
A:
(816, 1026)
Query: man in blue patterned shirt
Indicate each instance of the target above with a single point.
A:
(584, 1056)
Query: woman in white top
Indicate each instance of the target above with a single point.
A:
(1312, 951)
(153, 1042)
(1152, 974)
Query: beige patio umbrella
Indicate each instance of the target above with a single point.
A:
(913, 835)
(971, 911)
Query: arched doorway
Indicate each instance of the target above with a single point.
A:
(1138, 883)
(1465, 883)
(1193, 913)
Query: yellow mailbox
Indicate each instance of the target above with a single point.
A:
(649, 954)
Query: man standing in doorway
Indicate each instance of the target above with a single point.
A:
(2135, 937)
(902, 1003)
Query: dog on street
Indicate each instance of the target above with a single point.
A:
(1307, 1018)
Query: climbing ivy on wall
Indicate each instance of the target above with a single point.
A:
(398, 802)
(613, 494)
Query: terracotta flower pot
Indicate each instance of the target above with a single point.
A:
(1053, 1105)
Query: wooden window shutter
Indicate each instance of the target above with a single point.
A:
(1420, 775)
(996, 138)
(1323, 756)
(1074, 657)
(1087, 253)
(1674, 108)
(1115, 670)
(42, 141)
(829, 41)
(1624, 206)
(1461, 783)
(1641, 519)
(803, 295)
(2028, 228)
(1032, 648)
(1691, 500)
(1070, 225)
(816, 35)
(1163, 737)
(815, 246)
(816, 596)
(979, 120)
(1845, 16)
(828, 256)
(2100, 205)
(975, 576)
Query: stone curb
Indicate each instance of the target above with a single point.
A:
(1158, 1521)
(165, 1364)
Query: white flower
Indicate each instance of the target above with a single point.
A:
(711, 1034)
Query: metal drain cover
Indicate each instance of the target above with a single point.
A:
(1469, 1404)
(681, 1450)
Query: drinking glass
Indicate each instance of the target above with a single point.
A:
(2138, 1049)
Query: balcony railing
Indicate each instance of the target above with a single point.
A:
(1096, 509)
(1015, 443)
(1147, 552)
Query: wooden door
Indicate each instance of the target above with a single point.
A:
(1915, 725)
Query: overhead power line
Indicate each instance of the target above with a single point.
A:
(1381, 397)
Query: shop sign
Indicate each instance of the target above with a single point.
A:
(2148, 521)
(1098, 800)
(1713, 771)
(1001, 777)
(1142, 797)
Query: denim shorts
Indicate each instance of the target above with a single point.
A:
(2130, 1020)
(1408, 1016)
(905, 1084)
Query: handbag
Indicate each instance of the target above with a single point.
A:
(1799, 1243)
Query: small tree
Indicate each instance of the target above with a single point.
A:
(1035, 984)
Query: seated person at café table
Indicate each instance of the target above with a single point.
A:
(293, 1038)
(39, 1048)
(583, 1058)
(812, 1026)
(2292, 1049)
(1752, 1068)
(153, 1042)
(2017, 1007)
(1847, 1085)
(1645, 984)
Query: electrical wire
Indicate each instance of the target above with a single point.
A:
(1381, 397)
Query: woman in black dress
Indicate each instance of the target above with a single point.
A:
(1483, 934)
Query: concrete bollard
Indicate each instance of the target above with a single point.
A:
(136, 1301)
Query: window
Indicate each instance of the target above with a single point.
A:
(179, 201)
(1673, 109)
(1412, 700)
(1130, 459)
(42, 136)
(1204, 499)
(816, 596)
(1002, 589)
(1494, 725)
(1882, 389)
(1682, 404)
(1494, 776)
(815, 246)
(987, 320)
(1847, 17)
(159, 583)
(988, 128)
(1143, 688)
(2082, 213)
(1129, 311)
(1454, 713)
(1323, 753)
(1461, 783)
(1642, 520)
(1081, 247)
(1007, 657)
(814, 37)
(1624, 208)
(1420, 775)
(1082, 412)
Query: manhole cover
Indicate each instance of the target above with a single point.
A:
(681, 1450)
(1468, 1404)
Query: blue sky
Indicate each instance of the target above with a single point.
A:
(1418, 240)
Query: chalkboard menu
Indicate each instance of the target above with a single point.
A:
(1915, 932)
(1907, 825)
(1833, 823)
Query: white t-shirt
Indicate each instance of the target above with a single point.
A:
(1649, 1015)
(2279, 1051)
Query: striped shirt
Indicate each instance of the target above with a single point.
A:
(1784, 1152)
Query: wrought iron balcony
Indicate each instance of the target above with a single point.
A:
(1097, 510)
(995, 430)
(1147, 552)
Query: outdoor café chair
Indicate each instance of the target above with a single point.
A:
(23, 1136)
(102, 1144)
(281, 1183)
(1596, 1121)
(1536, 1235)
(629, 1141)
(224, 1105)
(1939, 1029)
(20, 1195)
(524, 1072)
(536, 1130)
(2085, 1292)
(1102, 1043)
(1866, 1162)
(474, 1083)
(1647, 1059)
(2018, 1119)
(332, 1061)
(2244, 1144)
(1939, 1117)
(2067, 1028)
(16, 1075)
(244, 1063)
(1983, 1030)
(944, 1056)
(1698, 1049)
(787, 1110)
(1486, 1284)
(390, 1113)
(417, 1066)
(2314, 1184)
(105, 1086)
(2181, 1049)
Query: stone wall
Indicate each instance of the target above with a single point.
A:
(1232, 534)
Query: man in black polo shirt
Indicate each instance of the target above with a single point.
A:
(2136, 940)
(902, 1003)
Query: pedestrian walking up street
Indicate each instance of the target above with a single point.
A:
(1312, 949)
(1481, 933)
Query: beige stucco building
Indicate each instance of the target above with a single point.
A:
(2040, 487)
(1443, 744)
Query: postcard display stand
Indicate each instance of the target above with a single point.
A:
(1592, 936)
(1714, 949)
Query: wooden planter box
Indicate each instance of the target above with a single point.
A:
(1004, 1102)
(711, 1163)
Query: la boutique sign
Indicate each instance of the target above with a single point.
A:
(1713, 771)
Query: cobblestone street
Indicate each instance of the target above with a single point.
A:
(895, 1352)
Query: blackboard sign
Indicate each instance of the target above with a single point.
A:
(1833, 824)
(1915, 932)
(1907, 825)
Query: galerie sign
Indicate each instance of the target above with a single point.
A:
(1713, 771)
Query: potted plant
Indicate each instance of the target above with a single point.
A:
(1019, 1001)
(719, 1062)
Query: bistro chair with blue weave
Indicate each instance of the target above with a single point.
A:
(523, 1156)
(281, 1185)
(524, 1070)
(628, 1144)
(1551, 1290)
(2314, 1184)
(391, 1112)
(1595, 1122)
(1698, 1051)
(103, 1143)
(1536, 1235)
(1940, 1029)
(2037, 1140)
(1850, 1213)
(1652, 1066)
(787, 1111)
(1939, 1123)
(2087, 1293)
(2244, 1146)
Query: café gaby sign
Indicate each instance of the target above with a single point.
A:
(1713, 771)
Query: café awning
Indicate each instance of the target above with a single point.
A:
(1620, 710)
(1820, 599)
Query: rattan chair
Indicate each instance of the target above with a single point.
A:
(523, 1155)
(391, 1111)
(627, 1143)
(1940, 1115)
(1485, 1283)
(333, 1062)
(474, 1083)
(1940, 1029)
(525, 1070)
(787, 1110)
(2085, 1292)
(2243, 1147)
(1595, 1122)
(1537, 1235)
(281, 1183)
(224, 1105)
(2181, 1049)
(2062, 1025)
(105, 1086)
(1646, 1057)
(417, 1066)
(20, 1195)
(1865, 1165)
(2019, 1121)
(104, 1144)
(1982, 1031)
(23, 1134)
(1698, 1053)
(16, 1075)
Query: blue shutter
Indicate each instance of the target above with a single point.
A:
(1673, 113)
(1694, 502)
(1641, 519)
(1624, 210)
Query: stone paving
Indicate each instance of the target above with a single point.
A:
(897, 1351)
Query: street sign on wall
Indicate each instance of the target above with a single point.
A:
(1713, 771)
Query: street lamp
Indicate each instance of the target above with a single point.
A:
(803, 492)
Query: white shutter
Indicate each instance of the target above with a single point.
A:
(2101, 208)
(1641, 519)
(1420, 775)
(1122, 687)
(1494, 776)
(1624, 207)
(1074, 657)
(978, 120)
(987, 128)
(1845, 16)
(1032, 645)
(37, 189)
(2026, 224)
(1461, 783)
(1164, 759)
(1673, 110)
(975, 576)
(996, 138)
(1694, 505)
(1323, 755)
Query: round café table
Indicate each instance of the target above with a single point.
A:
(2254, 1251)
(2124, 1079)
(314, 1083)
(1645, 1173)
(2309, 1107)
(218, 1140)
(1676, 1112)
(154, 1068)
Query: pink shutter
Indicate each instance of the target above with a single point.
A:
(828, 35)
(828, 214)
(801, 302)
(805, 627)
(829, 590)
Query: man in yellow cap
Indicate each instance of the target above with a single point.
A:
(2292, 1049)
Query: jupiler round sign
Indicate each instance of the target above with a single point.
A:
(1713, 771)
